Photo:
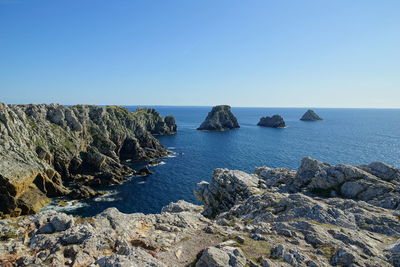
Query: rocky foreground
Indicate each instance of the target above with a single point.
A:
(51, 150)
(319, 215)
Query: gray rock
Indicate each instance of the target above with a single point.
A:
(310, 115)
(225, 190)
(220, 257)
(343, 257)
(181, 206)
(61, 222)
(219, 118)
(275, 121)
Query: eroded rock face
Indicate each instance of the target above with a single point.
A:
(43, 148)
(219, 118)
(275, 121)
(310, 115)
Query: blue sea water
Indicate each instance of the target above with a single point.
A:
(354, 136)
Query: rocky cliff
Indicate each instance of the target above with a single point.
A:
(274, 217)
(310, 115)
(52, 150)
(275, 121)
(219, 118)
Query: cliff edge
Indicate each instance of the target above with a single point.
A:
(51, 150)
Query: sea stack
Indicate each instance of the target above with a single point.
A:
(275, 121)
(310, 115)
(219, 118)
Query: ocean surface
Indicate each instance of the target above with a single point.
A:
(354, 136)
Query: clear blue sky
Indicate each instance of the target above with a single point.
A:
(278, 53)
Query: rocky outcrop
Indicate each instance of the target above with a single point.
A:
(48, 150)
(273, 217)
(108, 239)
(219, 118)
(275, 121)
(319, 215)
(310, 115)
(155, 124)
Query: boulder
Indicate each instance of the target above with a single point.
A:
(310, 115)
(275, 121)
(221, 257)
(219, 118)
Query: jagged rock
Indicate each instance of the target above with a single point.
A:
(156, 124)
(145, 171)
(219, 118)
(181, 206)
(225, 190)
(83, 192)
(343, 258)
(275, 121)
(44, 149)
(221, 257)
(137, 257)
(310, 115)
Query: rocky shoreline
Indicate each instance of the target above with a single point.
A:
(51, 150)
(319, 215)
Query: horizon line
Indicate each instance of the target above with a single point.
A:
(233, 106)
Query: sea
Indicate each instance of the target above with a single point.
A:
(352, 136)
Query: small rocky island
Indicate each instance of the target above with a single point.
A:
(275, 121)
(319, 215)
(310, 115)
(49, 151)
(219, 118)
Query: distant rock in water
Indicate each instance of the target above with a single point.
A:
(310, 115)
(219, 118)
(275, 121)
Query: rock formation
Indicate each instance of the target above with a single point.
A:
(310, 115)
(219, 118)
(275, 121)
(51, 150)
(319, 215)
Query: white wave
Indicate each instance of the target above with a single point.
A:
(106, 197)
(67, 206)
(156, 163)
(142, 182)
(171, 147)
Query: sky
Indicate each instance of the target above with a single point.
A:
(252, 53)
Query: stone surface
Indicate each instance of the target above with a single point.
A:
(219, 118)
(51, 150)
(320, 215)
(310, 115)
(275, 121)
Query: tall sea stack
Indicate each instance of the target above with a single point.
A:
(219, 118)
